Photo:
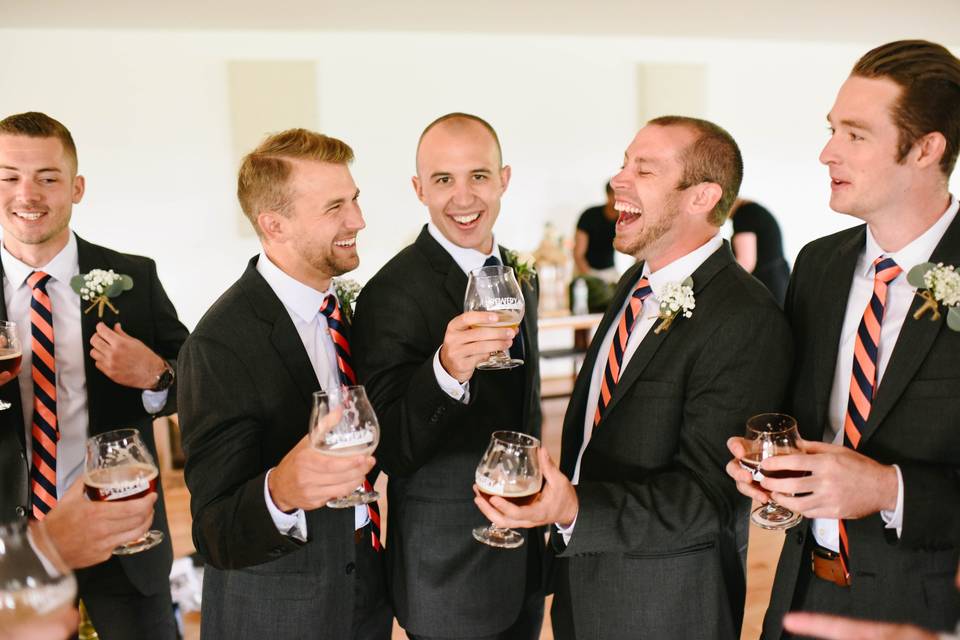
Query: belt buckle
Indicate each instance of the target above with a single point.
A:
(827, 566)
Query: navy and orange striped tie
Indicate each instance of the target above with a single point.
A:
(611, 372)
(331, 309)
(44, 431)
(863, 380)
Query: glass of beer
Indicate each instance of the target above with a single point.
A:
(34, 581)
(355, 434)
(11, 353)
(510, 468)
(120, 467)
(495, 289)
(768, 435)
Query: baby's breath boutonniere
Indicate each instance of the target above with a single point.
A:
(524, 270)
(347, 290)
(937, 284)
(676, 299)
(98, 286)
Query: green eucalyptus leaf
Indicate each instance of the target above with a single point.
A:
(76, 283)
(915, 275)
(688, 282)
(113, 289)
(126, 282)
(953, 318)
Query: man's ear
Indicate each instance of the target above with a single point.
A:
(929, 149)
(79, 186)
(272, 224)
(704, 197)
(418, 188)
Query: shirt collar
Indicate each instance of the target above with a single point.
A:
(916, 252)
(299, 298)
(62, 267)
(681, 268)
(466, 259)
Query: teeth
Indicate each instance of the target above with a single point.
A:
(627, 208)
(346, 243)
(467, 219)
(29, 215)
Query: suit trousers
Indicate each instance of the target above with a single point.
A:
(119, 611)
(372, 615)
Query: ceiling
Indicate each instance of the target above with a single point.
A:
(817, 20)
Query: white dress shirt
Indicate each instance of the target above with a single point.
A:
(677, 271)
(467, 260)
(302, 303)
(72, 416)
(900, 295)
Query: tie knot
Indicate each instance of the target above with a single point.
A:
(643, 290)
(330, 308)
(492, 261)
(38, 280)
(886, 269)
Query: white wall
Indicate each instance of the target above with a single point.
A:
(150, 114)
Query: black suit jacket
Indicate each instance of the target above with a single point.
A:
(442, 581)
(147, 314)
(246, 388)
(913, 423)
(654, 550)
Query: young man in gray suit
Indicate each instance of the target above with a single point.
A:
(279, 563)
(643, 526)
(417, 353)
(876, 388)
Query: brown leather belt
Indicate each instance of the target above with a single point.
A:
(827, 566)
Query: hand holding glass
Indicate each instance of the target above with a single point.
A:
(11, 353)
(768, 435)
(510, 468)
(495, 289)
(355, 434)
(34, 581)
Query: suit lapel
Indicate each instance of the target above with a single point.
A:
(915, 340)
(831, 309)
(90, 257)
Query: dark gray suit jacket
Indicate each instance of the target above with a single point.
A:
(147, 314)
(442, 582)
(654, 551)
(246, 388)
(914, 422)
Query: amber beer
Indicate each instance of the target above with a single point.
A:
(126, 482)
(509, 318)
(10, 361)
(520, 494)
(752, 464)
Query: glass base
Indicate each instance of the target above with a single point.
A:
(772, 516)
(355, 499)
(149, 541)
(4, 405)
(499, 360)
(497, 537)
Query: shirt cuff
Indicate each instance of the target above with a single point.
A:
(894, 519)
(289, 524)
(154, 401)
(450, 385)
(566, 532)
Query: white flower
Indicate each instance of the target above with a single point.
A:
(676, 296)
(944, 283)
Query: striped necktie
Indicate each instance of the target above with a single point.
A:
(44, 432)
(863, 380)
(331, 309)
(611, 372)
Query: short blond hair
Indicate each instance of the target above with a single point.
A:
(265, 171)
(34, 124)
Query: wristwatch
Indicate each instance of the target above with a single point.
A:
(164, 378)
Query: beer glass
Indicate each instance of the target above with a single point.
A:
(768, 435)
(11, 353)
(34, 581)
(495, 289)
(119, 467)
(356, 434)
(510, 468)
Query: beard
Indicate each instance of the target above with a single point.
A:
(639, 245)
(324, 260)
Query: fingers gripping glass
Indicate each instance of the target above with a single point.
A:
(495, 289)
(34, 581)
(11, 353)
(356, 433)
(768, 435)
(510, 468)
(120, 467)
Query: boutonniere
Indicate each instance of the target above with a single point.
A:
(98, 286)
(937, 284)
(523, 269)
(676, 299)
(347, 291)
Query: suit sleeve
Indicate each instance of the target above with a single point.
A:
(931, 494)
(393, 356)
(742, 370)
(232, 527)
(169, 333)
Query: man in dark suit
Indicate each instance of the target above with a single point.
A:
(875, 388)
(279, 563)
(91, 375)
(645, 540)
(417, 353)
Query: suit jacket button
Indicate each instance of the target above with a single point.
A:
(23, 456)
(350, 568)
(21, 511)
